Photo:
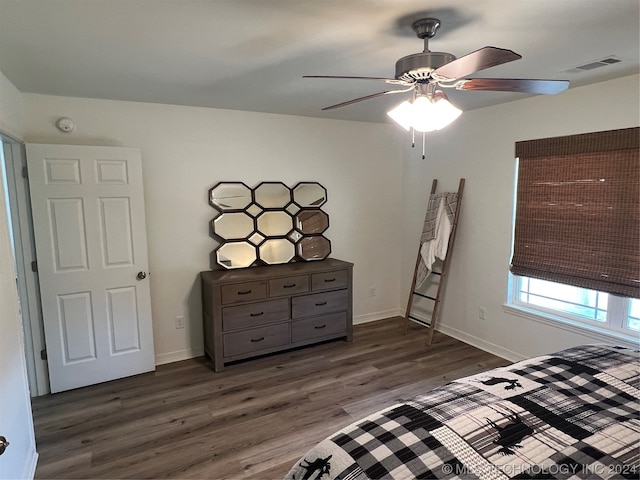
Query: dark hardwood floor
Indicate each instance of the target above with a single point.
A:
(253, 420)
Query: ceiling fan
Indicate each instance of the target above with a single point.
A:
(424, 73)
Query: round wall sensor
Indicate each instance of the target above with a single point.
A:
(65, 125)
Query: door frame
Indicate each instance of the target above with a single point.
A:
(24, 254)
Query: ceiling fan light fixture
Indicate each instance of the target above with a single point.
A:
(445, 112)
(402, 114)
(421, 73)
(426, 113)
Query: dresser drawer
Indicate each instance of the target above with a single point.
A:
(254, 314)
(329, 280)
(315, 327)
(256, 339)
(288, 286)
(243, 292)
(319, 303)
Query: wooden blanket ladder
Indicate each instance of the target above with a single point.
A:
(442, 275)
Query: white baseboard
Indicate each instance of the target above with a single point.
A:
(186, 354)
(30, 467)
(178, 355)
(510, 355)
(372, 317)
(480, 343)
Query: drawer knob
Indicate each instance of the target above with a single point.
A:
(244, 292)
(256, 314)
(320, 327)
(319, 304)
(256, 340)
(329, 280)
(291, 285)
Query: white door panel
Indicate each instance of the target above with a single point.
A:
(89, 224)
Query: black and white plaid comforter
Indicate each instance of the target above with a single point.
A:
(570, 415)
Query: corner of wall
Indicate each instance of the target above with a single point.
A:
(11, 109)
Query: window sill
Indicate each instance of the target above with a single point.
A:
(598, 334)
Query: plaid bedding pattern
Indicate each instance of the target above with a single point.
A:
(574, 414)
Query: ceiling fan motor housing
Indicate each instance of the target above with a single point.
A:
(419, 66)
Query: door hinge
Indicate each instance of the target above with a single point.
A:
(25, 172)
(34, 266)
(43, 354)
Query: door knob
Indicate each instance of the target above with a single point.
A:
(141, 276)
(3, 444)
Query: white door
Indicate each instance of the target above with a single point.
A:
(89, 226)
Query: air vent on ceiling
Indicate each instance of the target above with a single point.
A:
(603, 62)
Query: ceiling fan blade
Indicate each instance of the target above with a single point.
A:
(391, 81)
(523, 85)
(479, 60)
(360, 99)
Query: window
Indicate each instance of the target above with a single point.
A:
(576, 249)
(577, 305)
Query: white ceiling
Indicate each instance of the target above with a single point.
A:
(251, 54)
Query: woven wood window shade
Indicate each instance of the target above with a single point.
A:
(578, 211)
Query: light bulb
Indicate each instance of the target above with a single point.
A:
(444, 113)
(402, 114)
(424, 115)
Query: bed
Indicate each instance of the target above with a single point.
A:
(573, 414)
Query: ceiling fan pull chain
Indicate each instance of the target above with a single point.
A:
(423, 143)
(413, 138)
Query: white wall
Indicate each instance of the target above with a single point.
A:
(19, 460)
(11, 108)
(187, 150)
(377, 187)
(480, 147)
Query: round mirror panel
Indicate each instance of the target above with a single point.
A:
(227, 196)
(309, 194)
(272, 195)
(309, 222)
(275, 251)
(314, 248)
(236, 255)
(274, 224)
(233, 226)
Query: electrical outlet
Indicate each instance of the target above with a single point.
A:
(373, 291)
(482, 313)
(180, 321)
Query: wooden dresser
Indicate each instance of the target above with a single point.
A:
(255, 311)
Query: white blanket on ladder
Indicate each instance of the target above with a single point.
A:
(434, 240)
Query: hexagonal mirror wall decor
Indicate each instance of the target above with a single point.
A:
(309, 194)
(310, 222)
(228, 196)
(272, 195)
(269, 224)
(233, 226)
(279, 250)
(313, 248)
(274, 223)
(236, 255)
